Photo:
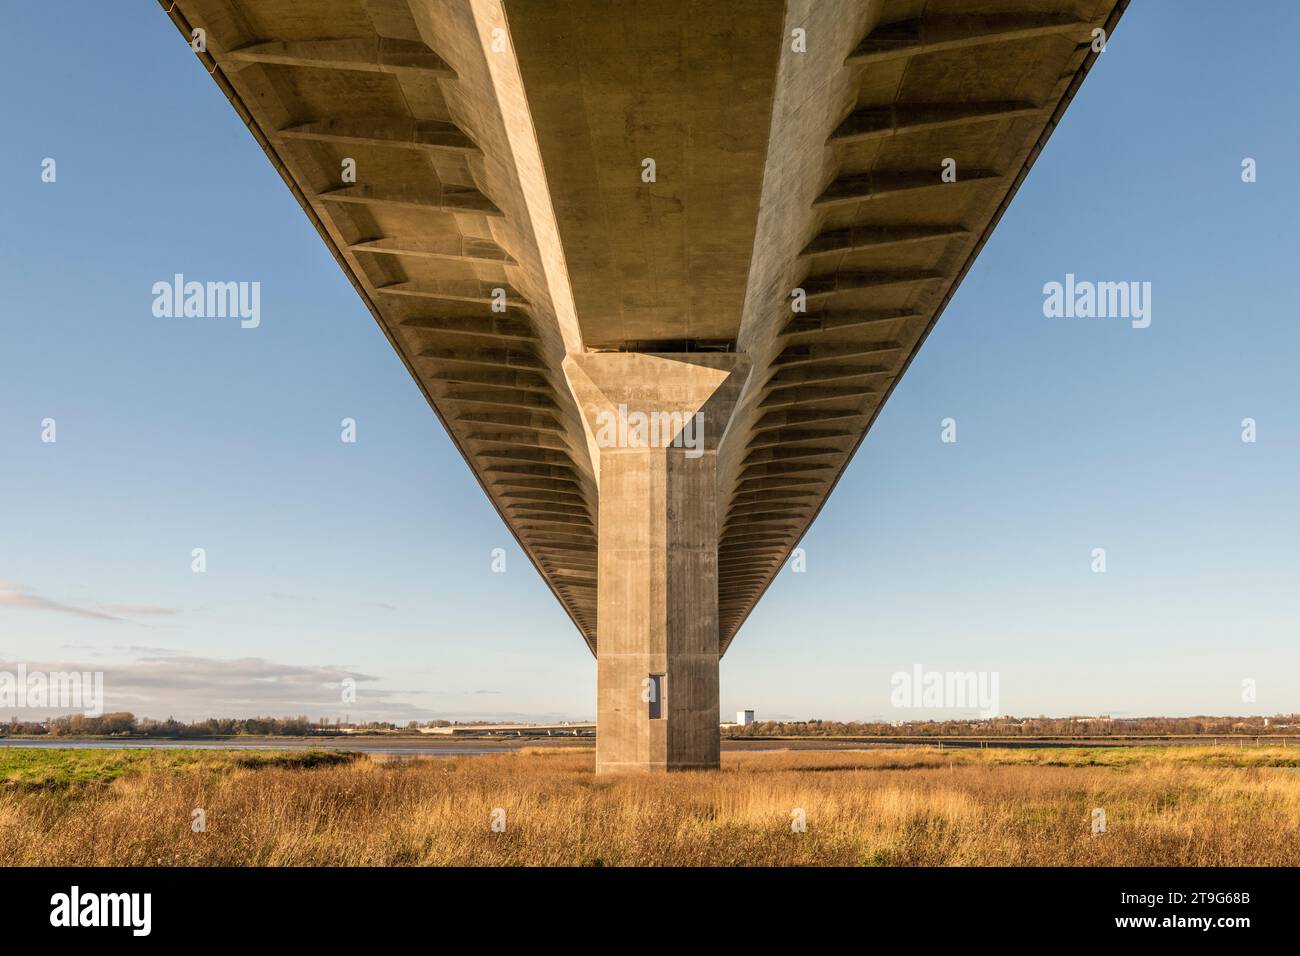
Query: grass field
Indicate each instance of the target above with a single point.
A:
(1175, 806)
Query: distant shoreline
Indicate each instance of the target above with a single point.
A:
(416, 744)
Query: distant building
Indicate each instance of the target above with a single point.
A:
(744, 717)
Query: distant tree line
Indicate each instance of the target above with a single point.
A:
(1282, 724)
(124, 724)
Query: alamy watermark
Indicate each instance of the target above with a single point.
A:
(68, 690)
(945, 689)
(75, 908)
(1098, 300)
(208, 300)
(624, 429)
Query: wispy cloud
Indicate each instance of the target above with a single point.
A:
(19, 596)
(294, 598)
(190, 687)
(163, 684)
(14, 595)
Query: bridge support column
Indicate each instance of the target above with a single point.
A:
(654, 423)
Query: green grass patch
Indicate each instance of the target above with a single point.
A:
(73, 769)
(296, 759)
(39, 768)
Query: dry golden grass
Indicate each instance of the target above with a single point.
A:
(1176, 806)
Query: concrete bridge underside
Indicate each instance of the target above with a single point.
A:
(796, 244)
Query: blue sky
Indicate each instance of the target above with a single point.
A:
(373, 559)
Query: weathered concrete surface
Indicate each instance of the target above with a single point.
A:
(658, 550)
(688, 85)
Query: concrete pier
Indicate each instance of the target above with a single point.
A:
(655, 421)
